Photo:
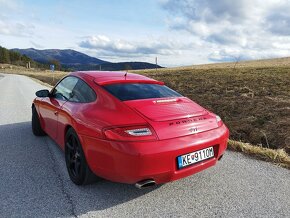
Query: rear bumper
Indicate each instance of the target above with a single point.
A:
(130, 162)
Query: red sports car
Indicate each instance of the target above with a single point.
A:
(127, 128)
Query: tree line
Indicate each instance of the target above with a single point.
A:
(12, 57)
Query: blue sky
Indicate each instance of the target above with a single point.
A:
(177, 32)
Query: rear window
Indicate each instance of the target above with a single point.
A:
(128, 91)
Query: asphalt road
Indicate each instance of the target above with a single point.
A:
(34, 181)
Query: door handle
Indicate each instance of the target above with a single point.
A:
(55, 112)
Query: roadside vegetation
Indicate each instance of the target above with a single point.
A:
(276, 156)
(8, 57)
(253, 99)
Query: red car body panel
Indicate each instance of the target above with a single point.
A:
(156, 160)
(179, 125)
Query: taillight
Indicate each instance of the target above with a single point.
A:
(139, 132)
(130, 133)
(219, 121)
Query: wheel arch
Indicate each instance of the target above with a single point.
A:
(33, 106)
(67, 127)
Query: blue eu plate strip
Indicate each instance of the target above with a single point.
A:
(179, 162)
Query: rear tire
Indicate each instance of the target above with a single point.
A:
(35, 123)
(77, 167)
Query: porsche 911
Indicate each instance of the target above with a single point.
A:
(127, 128)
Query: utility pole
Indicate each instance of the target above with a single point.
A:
(156, 64)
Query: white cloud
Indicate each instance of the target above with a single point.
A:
(197, 31)
(106, 46)
(13, 28)
(9, 5)
(9, 24)
(247, 28)
(104, 43)
(36, 45)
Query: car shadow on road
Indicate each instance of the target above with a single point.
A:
(34, 181)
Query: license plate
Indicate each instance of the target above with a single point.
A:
(194, 157)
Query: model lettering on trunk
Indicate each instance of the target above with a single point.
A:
(187, 121)
(193, 129)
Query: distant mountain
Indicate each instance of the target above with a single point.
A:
(128, 66)
(66, 57)
(74, 60)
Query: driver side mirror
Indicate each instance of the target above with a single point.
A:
(42, 93)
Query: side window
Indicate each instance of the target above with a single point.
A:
(82, 93)
(63, 90)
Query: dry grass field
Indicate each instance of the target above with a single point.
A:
(253, 99)
(253, 102)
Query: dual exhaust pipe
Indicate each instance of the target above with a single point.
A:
(150, 182)
(145, 183)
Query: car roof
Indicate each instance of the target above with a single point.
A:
(113, 77)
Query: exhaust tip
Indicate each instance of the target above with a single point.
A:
(145, 183)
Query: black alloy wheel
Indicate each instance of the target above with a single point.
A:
(77, 167)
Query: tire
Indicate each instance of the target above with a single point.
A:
(35, 123)
(77, 167)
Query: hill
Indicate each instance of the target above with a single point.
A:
(66, 57)
(74, 60)
(128, 66)
(15, 58)
(273, 62)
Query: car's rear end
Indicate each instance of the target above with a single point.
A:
(177, 138)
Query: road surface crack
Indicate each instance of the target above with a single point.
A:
(61, 182)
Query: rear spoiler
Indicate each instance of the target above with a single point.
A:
(118, 81)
